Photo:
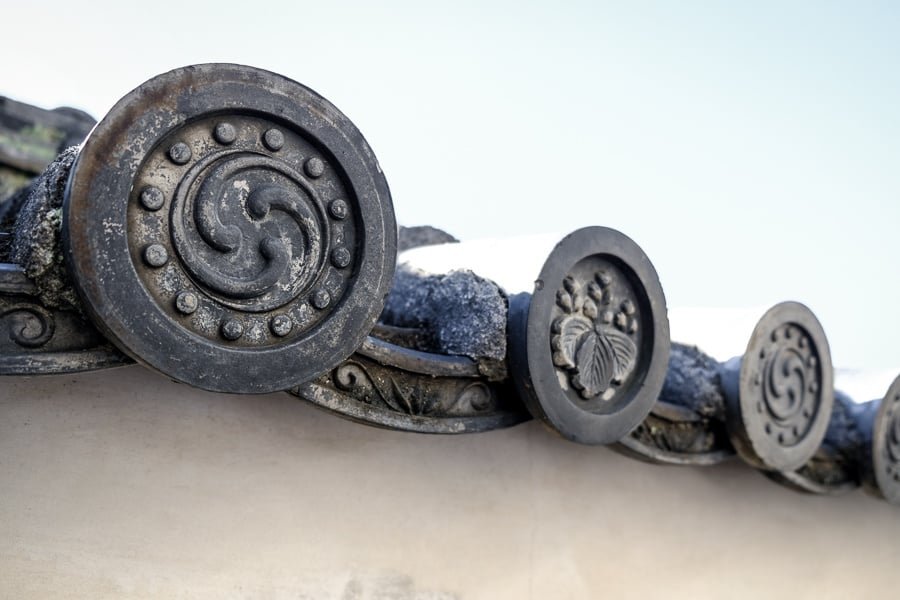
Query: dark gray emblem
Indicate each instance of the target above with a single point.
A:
(230, 228)
(780, 393)
(589, 348)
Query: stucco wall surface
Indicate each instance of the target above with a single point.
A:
(121, 484)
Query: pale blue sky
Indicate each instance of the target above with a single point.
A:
(751, 148)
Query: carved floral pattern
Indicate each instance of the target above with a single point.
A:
(415, 395)
(593, 340)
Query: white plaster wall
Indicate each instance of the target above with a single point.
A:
(121, 484)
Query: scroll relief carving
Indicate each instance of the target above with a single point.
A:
(29, 325)
(413, 395)
(36, 340)
(242, 231)
(786, 385)
(593, 341)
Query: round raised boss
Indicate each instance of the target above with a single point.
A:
(230, 228)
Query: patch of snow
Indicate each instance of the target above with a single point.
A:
(512, 263)
(721, 332)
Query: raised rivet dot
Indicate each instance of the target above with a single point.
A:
(180, 153)
(186, 302)
(152, 198)
(225, 133)
(340, 257)
(281, 325)
(273, 139)
(314, 167)
(232, 329)
(320, 299)
(155, 255)
(338, 209)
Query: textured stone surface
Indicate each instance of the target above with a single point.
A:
(692, 381)
(36, 244)
(460, 312)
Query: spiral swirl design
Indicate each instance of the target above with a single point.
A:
(230, 228)
(249, 228)
(475, 398)
(893, 438)
(30, 325)
(235, 233)
(887, 446)
(352, 377)
(791, 381)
